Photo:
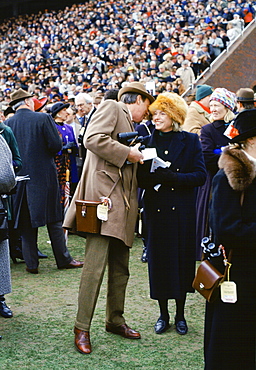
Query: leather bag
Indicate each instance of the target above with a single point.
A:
(207, 280)
(86, 216)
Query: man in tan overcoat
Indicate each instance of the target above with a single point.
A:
(106, 173)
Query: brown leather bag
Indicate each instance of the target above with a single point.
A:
(86, 216)
(207, 280)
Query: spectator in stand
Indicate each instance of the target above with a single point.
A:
(216, 44)
(186, 74)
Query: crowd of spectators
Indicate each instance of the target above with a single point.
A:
(97, 45)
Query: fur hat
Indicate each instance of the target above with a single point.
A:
(225, 97)
(202, 91)
(135, 87)
(172, 104)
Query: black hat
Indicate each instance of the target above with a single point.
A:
(244, 125)
(57, 107)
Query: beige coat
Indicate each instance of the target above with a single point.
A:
(196, 118)
(105, 159)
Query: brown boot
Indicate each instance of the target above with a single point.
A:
(82, 341)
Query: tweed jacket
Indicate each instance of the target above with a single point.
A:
(105, 165)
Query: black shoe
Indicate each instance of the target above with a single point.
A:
(5, 310)
(181, 326)
(41, 255)
(144, 257)
(16, 253)
(161, 326)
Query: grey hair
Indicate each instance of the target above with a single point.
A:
(130, 97)
(87, 98)
(17, 105)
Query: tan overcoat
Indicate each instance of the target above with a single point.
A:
(196, 118)
(105, 160)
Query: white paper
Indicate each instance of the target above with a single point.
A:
(158, 162)
(149, 153)
(22, 178)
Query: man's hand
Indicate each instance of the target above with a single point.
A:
(135, 155)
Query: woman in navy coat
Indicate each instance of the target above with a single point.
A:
(222, 105)
(169, 202)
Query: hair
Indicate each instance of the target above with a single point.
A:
(130, 97)
(87, 98)
(17, 105)
(111, 94)
(247, 105)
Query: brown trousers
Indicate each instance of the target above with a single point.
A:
(100, 251)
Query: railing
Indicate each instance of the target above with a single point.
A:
(219, 57)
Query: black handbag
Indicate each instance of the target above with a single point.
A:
(3, 224)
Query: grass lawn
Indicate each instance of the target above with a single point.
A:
(40, 335)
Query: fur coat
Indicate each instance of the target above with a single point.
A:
(230, 328)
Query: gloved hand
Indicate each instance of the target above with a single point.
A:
(165, 176)
(69, 145)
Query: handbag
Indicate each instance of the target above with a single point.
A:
(86, 216)
(3, 224)
(208, 278)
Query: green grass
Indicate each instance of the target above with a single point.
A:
(40, 335)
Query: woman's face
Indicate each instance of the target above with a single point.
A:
(162, 121)
(63, 114)
(218, 110)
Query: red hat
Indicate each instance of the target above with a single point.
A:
(39, 103)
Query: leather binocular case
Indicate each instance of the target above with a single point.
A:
(86, 216)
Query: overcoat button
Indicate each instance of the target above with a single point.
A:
(158, 210)
(173, 208)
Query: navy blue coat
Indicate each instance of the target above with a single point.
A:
(212, 140)
(170, 215)
(38, 141)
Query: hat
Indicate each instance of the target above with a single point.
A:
(202, 91)
(225, 97)
(172, 104)
(245, 95)
(130, 68)
(39, 103)
(57, 107)
(244, 125)
(19, 95)
(135, 87)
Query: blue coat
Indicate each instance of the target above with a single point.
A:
(38, 141)
(170, 215)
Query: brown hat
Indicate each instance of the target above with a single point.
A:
(245, 95)
(135, 87)
(19, 95)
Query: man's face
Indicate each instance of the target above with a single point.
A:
(83, 108)
(141, 109)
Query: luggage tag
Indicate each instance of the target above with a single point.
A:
(228, 292)
(103, 208)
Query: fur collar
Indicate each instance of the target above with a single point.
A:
(239, 169)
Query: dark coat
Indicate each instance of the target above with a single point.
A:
(38, 142)
(230, 328)
(170, 215)
(212, 140)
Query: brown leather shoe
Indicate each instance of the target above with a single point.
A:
(82, 341)
(123, 330)
(32, 271)
(73, 265)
